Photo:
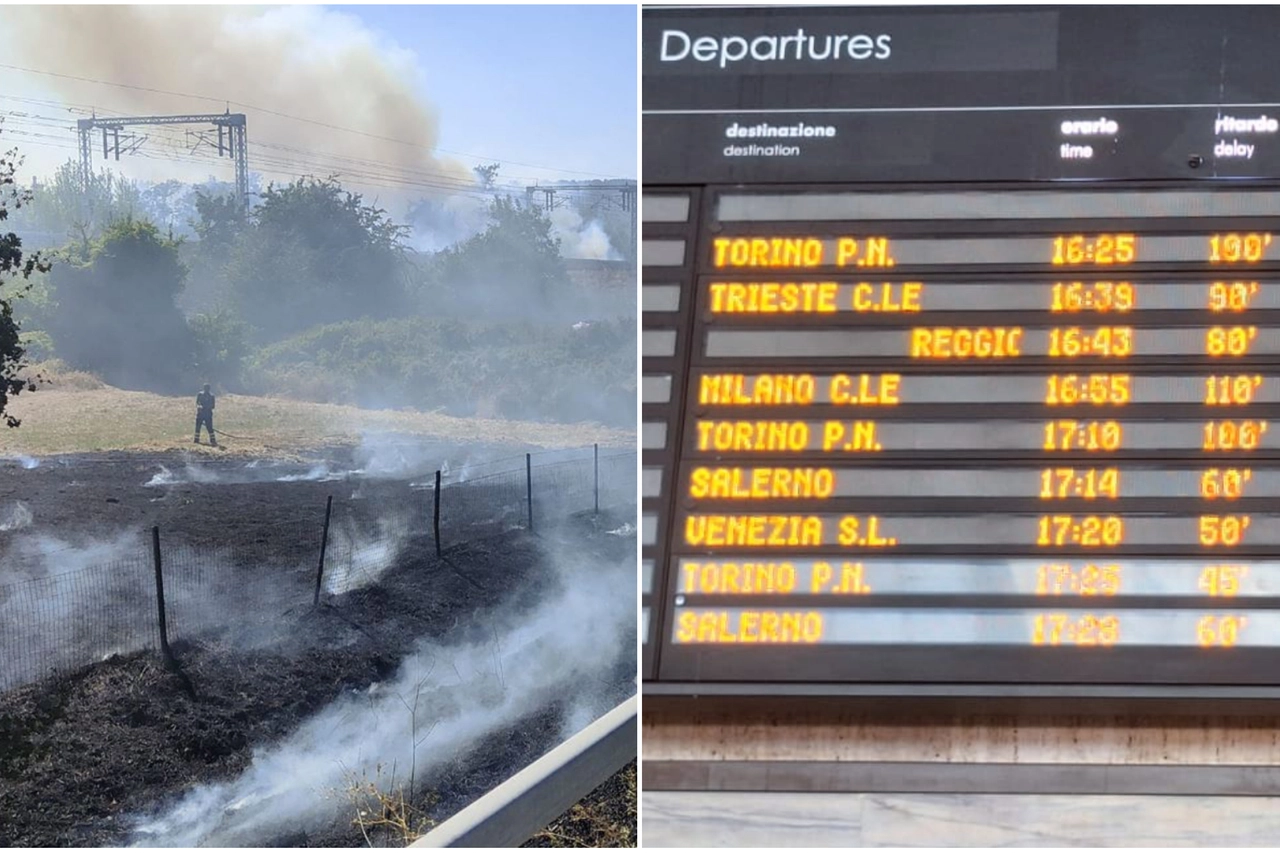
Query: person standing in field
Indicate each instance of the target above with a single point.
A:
(204, 414)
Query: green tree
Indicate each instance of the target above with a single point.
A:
(515, 255)
(170, 204)
(486, 176)
(221, 221)
(69, 209)
(220, 345)
(15, 269)
(117, 312)
(315, 254)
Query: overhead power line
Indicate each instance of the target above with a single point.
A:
(290, 117)
(282, 167)
(274, 158)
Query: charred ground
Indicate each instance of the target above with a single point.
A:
(82, 752)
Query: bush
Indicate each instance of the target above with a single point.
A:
(116, 311)
(513, 371)
(219, 340)
(55, 374)
(38, 345)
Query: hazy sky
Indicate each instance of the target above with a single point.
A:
(551, 85)
(549, 92)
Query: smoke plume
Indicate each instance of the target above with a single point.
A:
(580, 238)
(315, 64)
(445, 698)
(445, 222)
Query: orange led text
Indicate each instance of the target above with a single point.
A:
(781, 531)
(799, 252)
(748, 578)
(984, 342)
(761, 483)
(736, 389)
(807, 297)
(758, 531)
(749, 626)
(788, 436)
(887, 298)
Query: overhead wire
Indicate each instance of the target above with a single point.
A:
(304, 120)
(285, 160)
(280, 166)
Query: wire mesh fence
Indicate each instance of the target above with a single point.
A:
(66, 619)
(74, 606)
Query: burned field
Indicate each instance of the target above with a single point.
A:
(283, 720)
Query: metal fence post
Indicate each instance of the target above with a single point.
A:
(324, 546)
(164, 625)
(435, 520)
(528, 479)
(595, 452)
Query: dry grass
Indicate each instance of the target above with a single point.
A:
(605, 818)
(77, 414)
(55, 374)
(388, 819)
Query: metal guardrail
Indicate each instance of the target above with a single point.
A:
(525, 804)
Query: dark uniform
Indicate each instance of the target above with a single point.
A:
(204, 415)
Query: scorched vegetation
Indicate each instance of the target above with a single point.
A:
(429, 679)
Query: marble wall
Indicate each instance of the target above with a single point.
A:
(729, 819)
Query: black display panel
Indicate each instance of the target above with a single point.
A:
(979, 354)
(1091, 92)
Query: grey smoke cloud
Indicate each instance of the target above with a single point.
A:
(314, 63)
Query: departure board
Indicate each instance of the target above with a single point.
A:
(988, 410)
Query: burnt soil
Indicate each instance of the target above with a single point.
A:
(83, 751)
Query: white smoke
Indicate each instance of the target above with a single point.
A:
(356, 559)
(461, 474)
(27, 462)
(444, 700)
(393, 456)
(190, 474)
(397, 456)
(317, 473)
(441, 222)
(253, 472)
(15, 517)
(581, 239)
(65, 604)
(33, 557)
(468, 469)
